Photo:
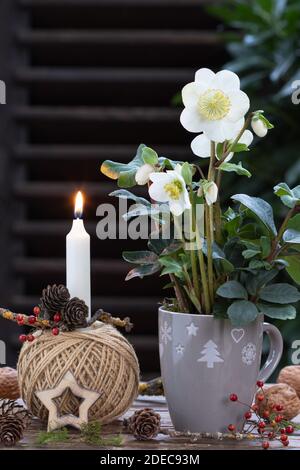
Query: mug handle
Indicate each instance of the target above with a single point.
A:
(275, 353)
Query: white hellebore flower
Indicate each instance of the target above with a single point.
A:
(214, 104)
(170, 187)
(143, 173)
(259, 127)
(210, 190)
(201, 144)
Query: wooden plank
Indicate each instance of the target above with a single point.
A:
(122, 37)
(161, 443)
(93, 152)
(105, 75)
(42, 266)
(91, 114)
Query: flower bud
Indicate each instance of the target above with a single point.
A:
(142, 174)
(259, 127)
(210, 190)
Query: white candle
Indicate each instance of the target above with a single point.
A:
(78, 257)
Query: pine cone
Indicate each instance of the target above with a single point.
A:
(144, 424)
(11, 430)
(14, 419)
(74, 314)
(53, 300)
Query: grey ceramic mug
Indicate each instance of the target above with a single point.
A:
(204, 360)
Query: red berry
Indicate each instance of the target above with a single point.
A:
(260, 397)
(31, 320)
(254, 407)
(36, 311)
(283, 437)
(279, 407)
(22, 338)
(286, 443)
(55, 331)
(260, 383)
(271, 435)
(266, 414)
(30, 338)
(20, 319)
(282, 430)
(289, 429)
(248, 415)
(261, 425)
(233, 397)
(278, 418)
(231, 427)
(57, 317)
(265, 445)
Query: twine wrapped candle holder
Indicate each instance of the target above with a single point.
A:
(99, 357)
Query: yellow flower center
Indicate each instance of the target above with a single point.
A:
(213, 105)
(174, 189)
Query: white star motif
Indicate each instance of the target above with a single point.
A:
(180, 349)
(67, 382)
(192, 329)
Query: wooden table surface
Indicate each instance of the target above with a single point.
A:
(162, 442)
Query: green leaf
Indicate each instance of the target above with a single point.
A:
(124, 194)
(242, 312)
(280, 293)
(187, 173)
(219, 258)
(140, 257)
(149, 156)
(239, 148)
(293, 268)
(171, 266)
(258, 280)
(143, 270)
(247, 254)
(280, 312)
(292, 200)
(260, 208)
(291, 236)
(239, 169)
(294, 223)
(232, 290)
(282, 189)
(265, 244)
(258, 264)
(124, 172)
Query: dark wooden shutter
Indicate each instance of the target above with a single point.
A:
(90, 80)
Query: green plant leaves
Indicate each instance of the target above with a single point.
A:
(291, 236)
(293, 267)
(187, 173)
(254, 282)
(124, 194)
(294, 223)
(260, 208)
(140, 257)
(289, 197)
(149, 156)
(124, 172)
(236, 168)
(143, 270)
(242, 312)
(280, 293)
(232, 290)
(280, 312)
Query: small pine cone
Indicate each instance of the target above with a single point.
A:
(144, 424)
(11, 430)
(74, 314)
(53, 300)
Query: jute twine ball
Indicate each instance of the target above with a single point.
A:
(100, 358)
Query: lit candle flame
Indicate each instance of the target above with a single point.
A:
(78, 205)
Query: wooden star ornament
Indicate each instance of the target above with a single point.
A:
(55, 421)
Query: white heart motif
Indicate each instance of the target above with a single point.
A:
(237, 334)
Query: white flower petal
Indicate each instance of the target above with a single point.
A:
(226, 80)
(259, 127)
(190, 94)
(247, 138)
(231, 129)
(143, 173)
(204, 75)
(215, 130)
(158, 193)
(159, 177)
(201, 146)
(191, 120)
(177, 170)
(240, 104)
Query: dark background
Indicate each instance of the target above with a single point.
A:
(89, 80)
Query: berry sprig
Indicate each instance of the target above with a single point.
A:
(269, 426)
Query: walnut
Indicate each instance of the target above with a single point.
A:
(280, 394)
(290, 375)
(9, 386)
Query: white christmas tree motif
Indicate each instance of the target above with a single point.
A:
(249, 354)
(166, 333)
(210, 354)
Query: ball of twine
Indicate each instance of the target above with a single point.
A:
(100, 358)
